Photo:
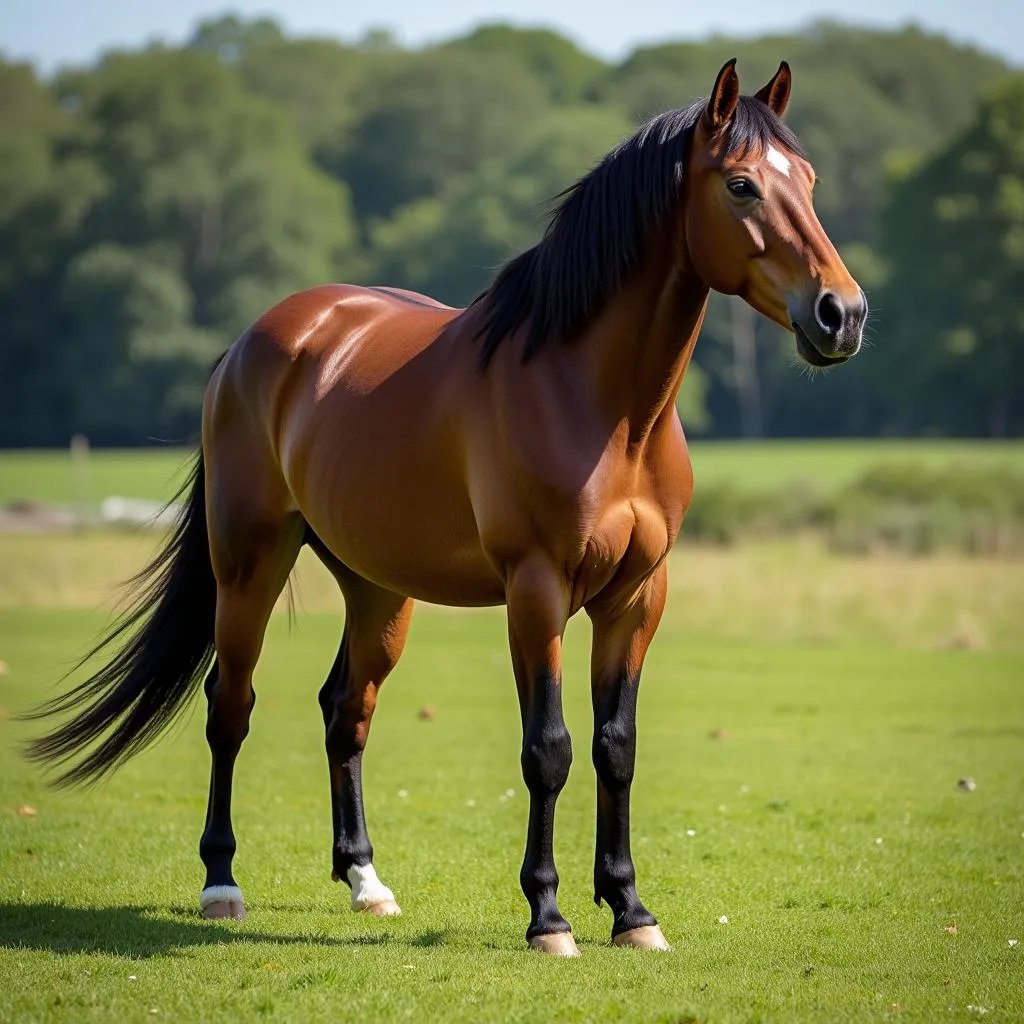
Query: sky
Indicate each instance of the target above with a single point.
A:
(52, 33)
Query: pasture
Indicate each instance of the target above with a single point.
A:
(151, 473)
(804, 721)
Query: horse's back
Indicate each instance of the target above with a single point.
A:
(313, 341)
(315, 323)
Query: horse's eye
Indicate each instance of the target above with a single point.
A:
(741, 188)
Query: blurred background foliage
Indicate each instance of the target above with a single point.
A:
(154, 204)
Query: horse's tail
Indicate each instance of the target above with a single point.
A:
(164, 644)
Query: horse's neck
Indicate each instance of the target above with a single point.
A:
(636, 353)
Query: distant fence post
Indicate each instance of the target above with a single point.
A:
(80, 480)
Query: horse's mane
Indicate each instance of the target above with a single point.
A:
(596, 236)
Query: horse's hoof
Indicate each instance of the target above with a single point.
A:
(382, 908)
(648, 937)
(555, 943)
(219, 909)
(222, 901)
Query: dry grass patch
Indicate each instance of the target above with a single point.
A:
(778, 592)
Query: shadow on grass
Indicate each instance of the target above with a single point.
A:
(143, 932)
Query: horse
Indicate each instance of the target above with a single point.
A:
(523, 451)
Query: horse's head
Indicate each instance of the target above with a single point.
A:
(751, 229)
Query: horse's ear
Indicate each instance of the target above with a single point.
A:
(775, 94)
(724, 97)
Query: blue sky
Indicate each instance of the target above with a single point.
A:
(56, 32)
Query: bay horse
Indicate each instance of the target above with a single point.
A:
(524, 451)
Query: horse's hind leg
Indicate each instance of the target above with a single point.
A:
(376, 625)
(253, 551)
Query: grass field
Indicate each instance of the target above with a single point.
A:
(804, 721)
(151, 473)
(828, 828)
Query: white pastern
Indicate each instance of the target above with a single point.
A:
(220, 894)
(779, 161)
(367, 888)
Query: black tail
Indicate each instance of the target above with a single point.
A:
(157, 667)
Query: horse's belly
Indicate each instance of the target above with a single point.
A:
(419, 567)
(396, 514)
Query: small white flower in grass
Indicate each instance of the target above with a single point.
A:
(1011, 943)
(510, 793)
(691, 832)
(723, 920)
(402, 794)
(132, 977)
(878, 840)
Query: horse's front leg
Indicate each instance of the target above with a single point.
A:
(621, 638)
(538, 602)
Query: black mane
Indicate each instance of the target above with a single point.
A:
(596, 237)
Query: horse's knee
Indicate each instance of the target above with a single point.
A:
(614, 752)
(546, 758)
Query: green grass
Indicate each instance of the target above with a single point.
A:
(848, 719)
(828, 750)
(831, 464)
(152, 473)
(50, 476)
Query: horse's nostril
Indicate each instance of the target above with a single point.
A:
(828, 311)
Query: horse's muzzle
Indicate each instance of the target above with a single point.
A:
(829, 330)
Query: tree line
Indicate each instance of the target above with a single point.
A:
(153, 204)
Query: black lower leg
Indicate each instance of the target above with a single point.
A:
(614, 753)
(226, 728)
(546, 757)
(345, 724)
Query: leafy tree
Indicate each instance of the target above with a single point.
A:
(43, 200)
(325, 86)
(230, 38)
(953, 232)
(211, 212)
(138, 357)
(442, 115)
(566, 72)
(450, 244)
(152, 205)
